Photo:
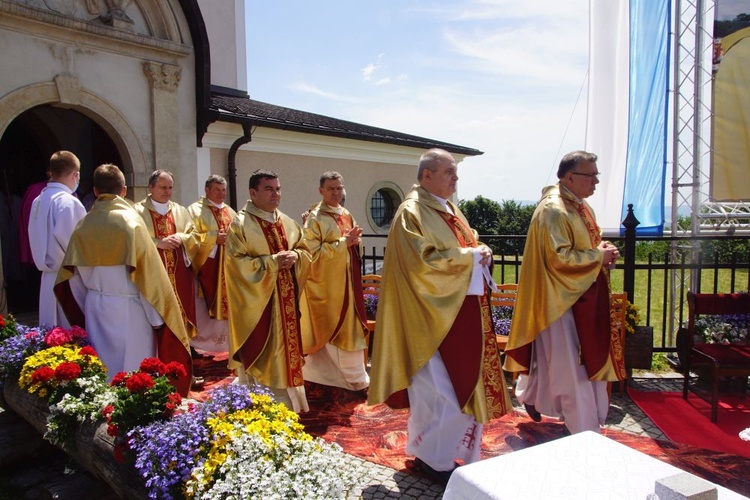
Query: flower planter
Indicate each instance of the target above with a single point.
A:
(93, 447)
(639, 348)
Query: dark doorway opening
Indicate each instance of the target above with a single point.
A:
(25, 149)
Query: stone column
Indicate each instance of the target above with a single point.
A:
(164, 79)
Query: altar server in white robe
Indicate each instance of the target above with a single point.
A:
(128, 298)
(54, 215)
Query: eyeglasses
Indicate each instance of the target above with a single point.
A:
(590, 176)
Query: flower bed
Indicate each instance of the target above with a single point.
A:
(240, 443)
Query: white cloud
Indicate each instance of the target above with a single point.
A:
(368, 70)
(305, 88)
(383, 81)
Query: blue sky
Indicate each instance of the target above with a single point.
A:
(507, 77)
(501, 76)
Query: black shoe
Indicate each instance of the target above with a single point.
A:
(439, 476)
(533, 414)
(195, 354)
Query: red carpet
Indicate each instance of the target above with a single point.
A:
(378, 434)
(689, 422)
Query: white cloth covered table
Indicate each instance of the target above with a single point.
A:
(584, 466)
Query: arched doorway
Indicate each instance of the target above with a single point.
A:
(25, 149)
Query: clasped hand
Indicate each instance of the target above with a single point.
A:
(610, 253)
(286, 259)
(353, 236)
(486, 254)
(171, 242)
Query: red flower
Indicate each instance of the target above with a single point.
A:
(67, 371)
(113, 430)
(119, 379)
(139, 382)
(2, 322)
(173, 401)
(78, 332)
(42, 374)
(88, 351)
(107, 411)
(175, 370)
(153, 366)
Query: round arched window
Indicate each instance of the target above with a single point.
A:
(383, 201)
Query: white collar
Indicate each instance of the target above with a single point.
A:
(161, 208)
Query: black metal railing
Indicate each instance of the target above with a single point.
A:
(658, 272)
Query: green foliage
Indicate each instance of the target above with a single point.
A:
(482, 214)
(659, 363)
(489, 217)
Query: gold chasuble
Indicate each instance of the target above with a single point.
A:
(423, 307)
(264, 333)
(176, 221)
(114, 234)
(209, 220)
(562, 269)
(333, 306)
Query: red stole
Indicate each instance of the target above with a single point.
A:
(181, 278)
(345, 224)
(592, 314)
(180, 275)
(469, 350)
(286, 291)
(209, 275)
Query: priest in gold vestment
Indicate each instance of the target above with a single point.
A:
(211, 218)
(128, 302)
(561, 333)
(268, 263)
(434, 348)
(333, 306)
(171, 230)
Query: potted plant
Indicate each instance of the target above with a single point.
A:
(639, 340)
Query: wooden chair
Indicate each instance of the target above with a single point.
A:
(719, 359)
(504, 297)
(371, 287)
(618, 305)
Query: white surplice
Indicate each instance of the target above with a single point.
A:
(557, 383)
(54, 215)
(119, 320)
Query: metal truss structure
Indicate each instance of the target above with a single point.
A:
(692, 113)
(692, 116)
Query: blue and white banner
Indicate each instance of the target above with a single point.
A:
(627, 109)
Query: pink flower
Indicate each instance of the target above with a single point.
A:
(32, 334)
(139, 382)
(42, 375)
(58, 336)
(67, 371)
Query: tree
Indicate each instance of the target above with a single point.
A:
(489, 217)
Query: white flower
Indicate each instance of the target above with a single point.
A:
(287, 468)
(745, 435)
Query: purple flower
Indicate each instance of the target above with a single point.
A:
(167, 451)
(15, 350)
(371, 306)
(501, 318)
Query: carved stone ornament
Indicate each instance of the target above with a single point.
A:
(162, 76)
